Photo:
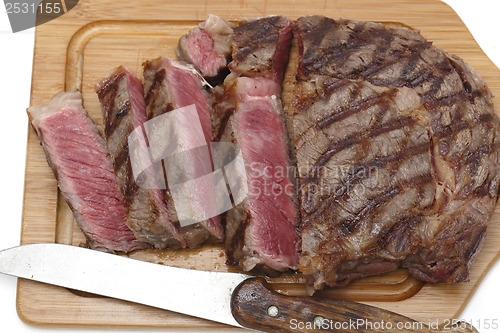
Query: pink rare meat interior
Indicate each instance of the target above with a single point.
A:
(80, 161)
(271, 199)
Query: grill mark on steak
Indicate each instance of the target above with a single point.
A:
(130, 187)
(110, 87)
(117, 119)
(121, 158)
(317, 56)
(315, 62)
(260, 48)
(399, 232)
(356, 106)
(359, 173)
(401, 238)
(350, 225)
(401, 155)
(358, 138)
(409, 78)
(123, 110)
(223, 124)
(458, 125)
(472, 94)
(153, 86)
(301, 104)
(261, 32)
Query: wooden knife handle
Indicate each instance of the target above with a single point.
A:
(257, 307)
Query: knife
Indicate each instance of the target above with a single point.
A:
(234, 299)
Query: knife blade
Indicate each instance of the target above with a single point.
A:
(231, 298)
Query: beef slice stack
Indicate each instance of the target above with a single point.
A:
(117, 209)
(124, 110)
(262, 230)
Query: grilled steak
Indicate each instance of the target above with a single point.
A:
(207, 46)
(80, 160)
(397, 154)
(124, 109)
(170, 85)
(395, 141)
(261, 231)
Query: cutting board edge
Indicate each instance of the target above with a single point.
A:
(476, 285)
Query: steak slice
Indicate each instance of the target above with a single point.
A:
(261, 231)
(397, 152)
(171, 85)
(208, 46)
(80, 160)
(124, 109)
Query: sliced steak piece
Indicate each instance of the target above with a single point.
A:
(80, 160)
(124, 109)
(208, 46)
(170, 85)
(397, 152)
(261, 231)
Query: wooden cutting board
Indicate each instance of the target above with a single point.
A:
(79, 48)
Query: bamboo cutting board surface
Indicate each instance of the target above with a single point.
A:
(81, 47)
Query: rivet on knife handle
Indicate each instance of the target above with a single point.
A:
(257, 307)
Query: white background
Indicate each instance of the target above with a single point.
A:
(16, 56)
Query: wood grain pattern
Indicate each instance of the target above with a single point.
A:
(256, 306)
(81, 47)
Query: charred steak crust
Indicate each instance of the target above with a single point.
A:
(261, 47)
(124, 110)
(397, 152)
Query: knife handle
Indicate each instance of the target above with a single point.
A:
(254, 305)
